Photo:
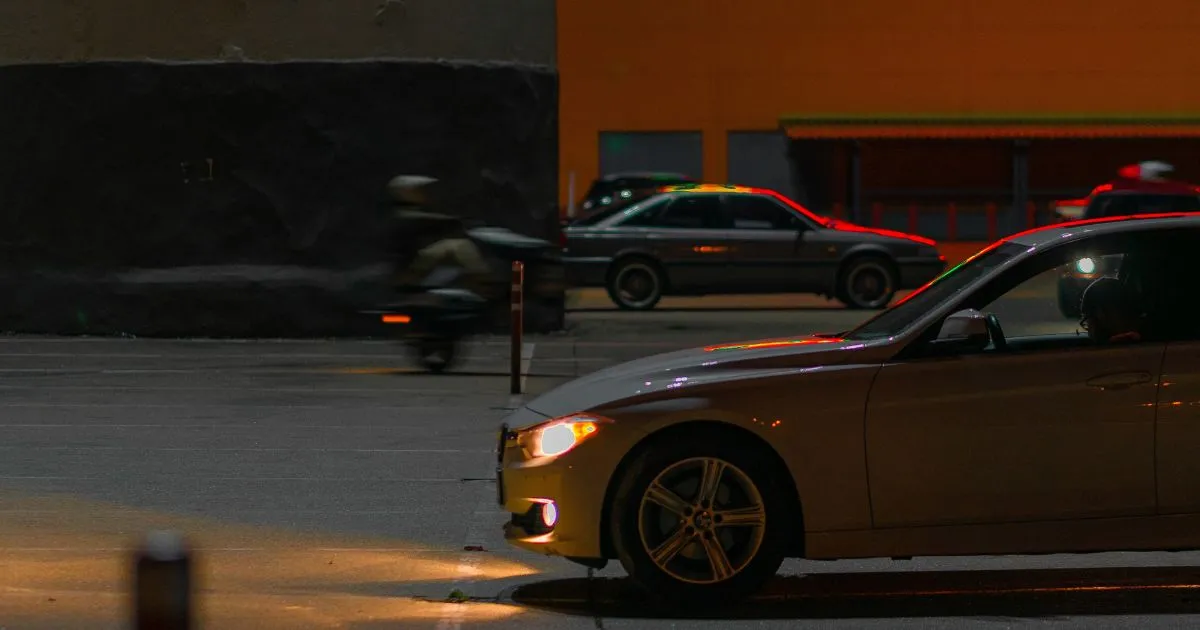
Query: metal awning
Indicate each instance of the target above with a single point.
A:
(988, 126)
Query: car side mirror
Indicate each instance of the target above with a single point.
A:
(966, 330)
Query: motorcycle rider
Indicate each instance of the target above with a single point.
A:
(439, 242)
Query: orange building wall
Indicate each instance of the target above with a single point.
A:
(717, 65)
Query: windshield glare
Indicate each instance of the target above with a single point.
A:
(900, 317)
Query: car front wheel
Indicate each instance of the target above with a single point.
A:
(700, 522)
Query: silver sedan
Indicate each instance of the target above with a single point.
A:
(707, 239)
(939, 427)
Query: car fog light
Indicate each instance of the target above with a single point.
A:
(1086, 265)
(549, 514)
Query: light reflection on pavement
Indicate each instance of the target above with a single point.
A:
(76, 574)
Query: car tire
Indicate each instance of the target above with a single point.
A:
(880, 277)
(636, 284)
(683, 573)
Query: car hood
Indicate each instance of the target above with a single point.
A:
(662, 375)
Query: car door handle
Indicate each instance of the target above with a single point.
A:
(1120, 380)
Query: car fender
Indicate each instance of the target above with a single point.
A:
(858, 249)
(639, 251)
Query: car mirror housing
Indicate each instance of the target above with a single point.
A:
(966, 329)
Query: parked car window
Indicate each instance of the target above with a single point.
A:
(603, 214)
(755, 212)
(687, 212)
(646, 214)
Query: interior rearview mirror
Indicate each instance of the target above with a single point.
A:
(966, 329)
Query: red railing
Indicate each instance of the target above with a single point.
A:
(951, 211)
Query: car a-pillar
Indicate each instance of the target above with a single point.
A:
(636, 282)
(753, 474)
(866, 280)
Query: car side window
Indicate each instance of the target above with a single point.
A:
(688, 212)
(1036, 304)
(756, 212)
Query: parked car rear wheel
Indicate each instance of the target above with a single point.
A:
(700, 521)
(636, 284)
(867, 282)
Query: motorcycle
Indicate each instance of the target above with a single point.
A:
(436, 320)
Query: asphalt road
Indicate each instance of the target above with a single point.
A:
(329, 485)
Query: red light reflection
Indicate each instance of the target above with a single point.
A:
(773, 344)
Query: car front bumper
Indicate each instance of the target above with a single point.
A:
(576, 482)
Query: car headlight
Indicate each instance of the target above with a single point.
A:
(560, 435)
(1085, 265)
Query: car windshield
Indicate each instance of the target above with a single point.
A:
(604, 213)
(899, 317)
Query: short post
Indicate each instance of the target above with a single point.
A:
(876, 214)
(1031, 215)
(162, 584)
(913, 218)
(518, 326)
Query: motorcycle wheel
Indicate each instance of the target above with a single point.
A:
(437, 355)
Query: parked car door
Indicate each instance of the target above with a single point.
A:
(768, 248)
(690, 237)
(1055, 427)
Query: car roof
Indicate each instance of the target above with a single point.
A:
(652, 175)
(733, 189)
(1072, 230)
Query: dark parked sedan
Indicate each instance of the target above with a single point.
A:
(711, 239)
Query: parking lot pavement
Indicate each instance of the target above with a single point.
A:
(329, 484)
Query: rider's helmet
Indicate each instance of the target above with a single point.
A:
(411, 189)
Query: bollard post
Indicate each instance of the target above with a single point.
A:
(876, 214)
(1030, 215)
(913, 218)
(838, 213)
(517, 326)
(162, 583)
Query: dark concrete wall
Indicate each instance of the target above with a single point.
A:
(276, 30)
(229, 199)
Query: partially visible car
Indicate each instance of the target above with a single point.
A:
(932, 429)
(618, 189)
(697, 239)
(1138, 189)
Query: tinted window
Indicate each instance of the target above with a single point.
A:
(1123, 205)
(754, 212)
(685, 212)
(648, 216)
